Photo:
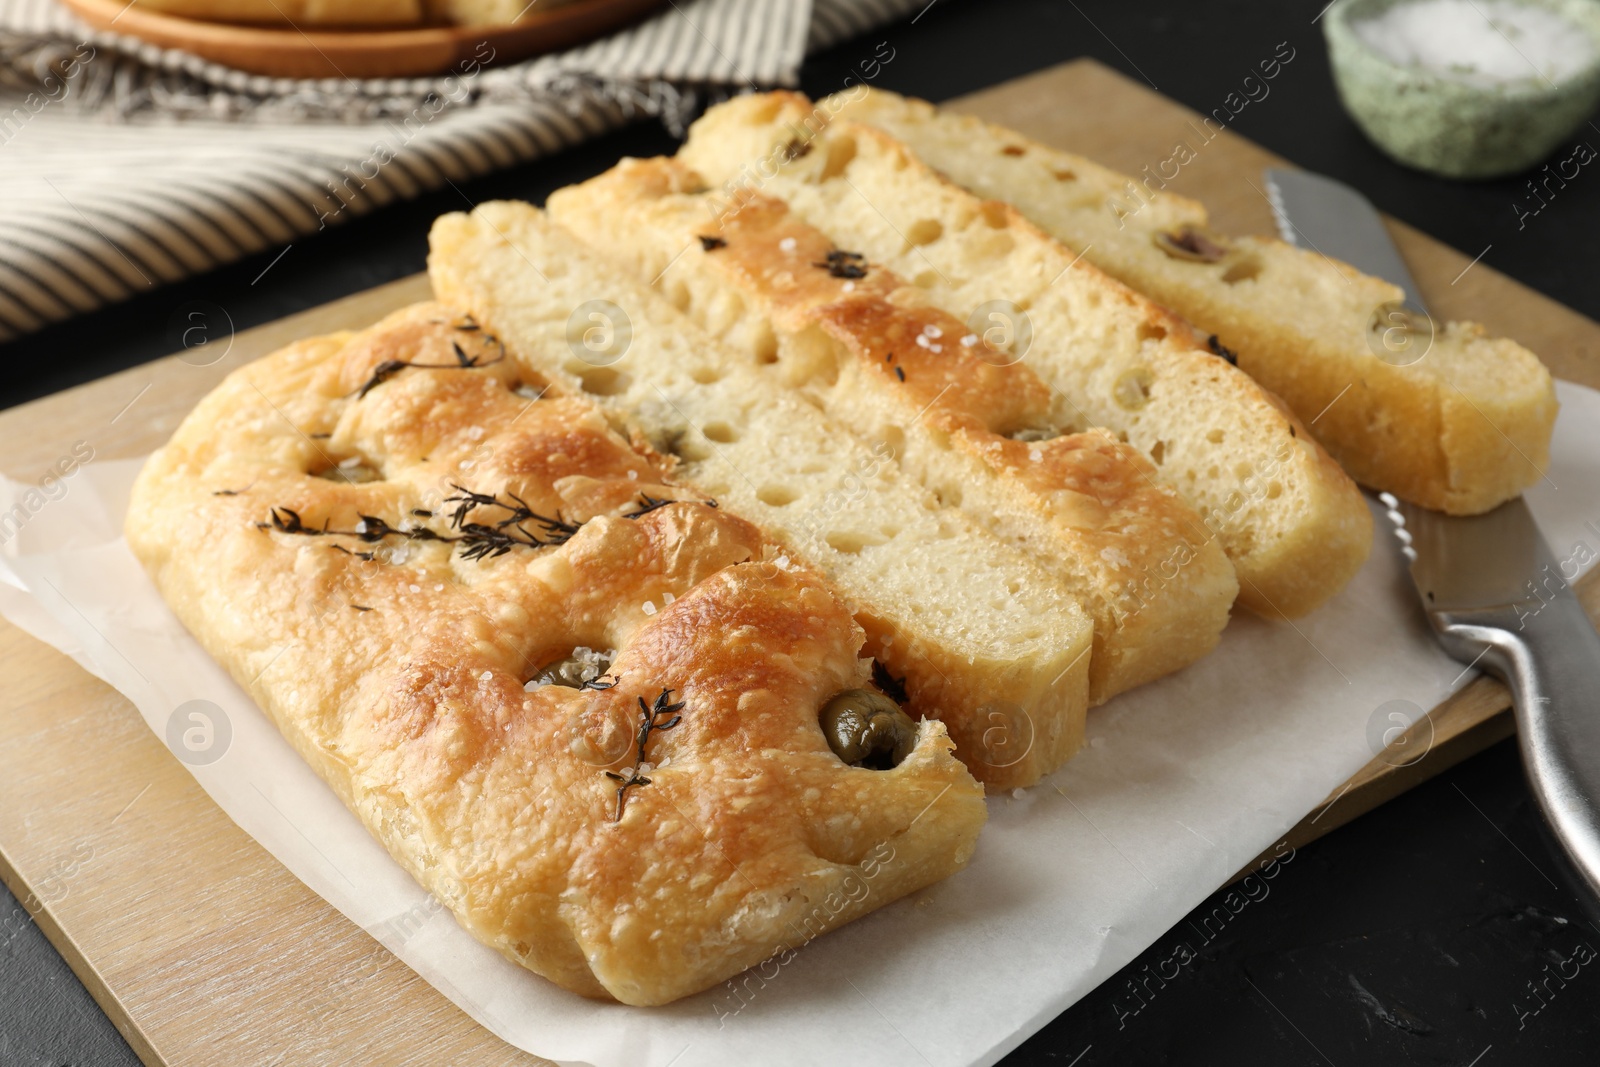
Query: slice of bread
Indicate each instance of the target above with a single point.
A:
(983, 638)
(1440, 414)
(1291, 521)
(975, 426)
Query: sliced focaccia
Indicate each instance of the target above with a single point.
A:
(978, 633)
(1438, 413)
(599, 717)
(978, 428)
(1290, 520)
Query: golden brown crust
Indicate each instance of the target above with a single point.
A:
(1085, 504)
(401, 678)
(1461, 429)
(979, 632)
(1290, 520)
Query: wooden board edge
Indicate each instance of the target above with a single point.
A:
(78, 961)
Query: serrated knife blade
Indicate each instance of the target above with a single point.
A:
(1489, 584)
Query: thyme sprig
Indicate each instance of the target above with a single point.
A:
(475, 540)
(1220, 349)
(649, 722)
(842, 264)
(390, 367)
(647, 503)
(552, 531)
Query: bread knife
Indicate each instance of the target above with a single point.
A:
(1490, 586)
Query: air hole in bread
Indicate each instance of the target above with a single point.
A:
(677, 293)
(580, 665)
(777, 496)
(841, 150)
(690, 449)
(1274, 490)
(706, 375)
(995, 213)
(1151, 331)
(1245, 269)
(1158, 452)
(850, 542)
(893, 439)
(720, 432)
(1013, 150)
(948, 496)
(601, 381)
(1215, 436)
(924, 231)
(926, 280)
(766, 347)
(347, 469)
(1131, 390)
(1064, 175)
(940, 439)
(997, 244)
(1035, 433)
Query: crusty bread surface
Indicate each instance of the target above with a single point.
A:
(316, 523)
(984, 638)
(1440, 414)
(975, 426)
(1291, 521)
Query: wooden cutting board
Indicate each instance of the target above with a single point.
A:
(204, 950)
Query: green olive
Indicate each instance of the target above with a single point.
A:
(867, 729)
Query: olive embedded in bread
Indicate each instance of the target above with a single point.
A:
(867, 729)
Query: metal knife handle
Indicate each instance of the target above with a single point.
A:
(1548, 654)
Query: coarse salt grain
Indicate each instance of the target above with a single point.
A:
(787, 244)
(1479, 42)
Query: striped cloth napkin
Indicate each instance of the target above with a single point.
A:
(124, 166)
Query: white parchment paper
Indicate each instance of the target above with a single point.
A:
(1181, 784)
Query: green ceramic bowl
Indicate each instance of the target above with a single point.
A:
(1444, 125)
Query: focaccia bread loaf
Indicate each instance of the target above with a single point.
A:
(293, 12)
(975, 426)
(407, 564)
(980, 636)
(1460, 429)
(490, 12)
(1290, 520)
